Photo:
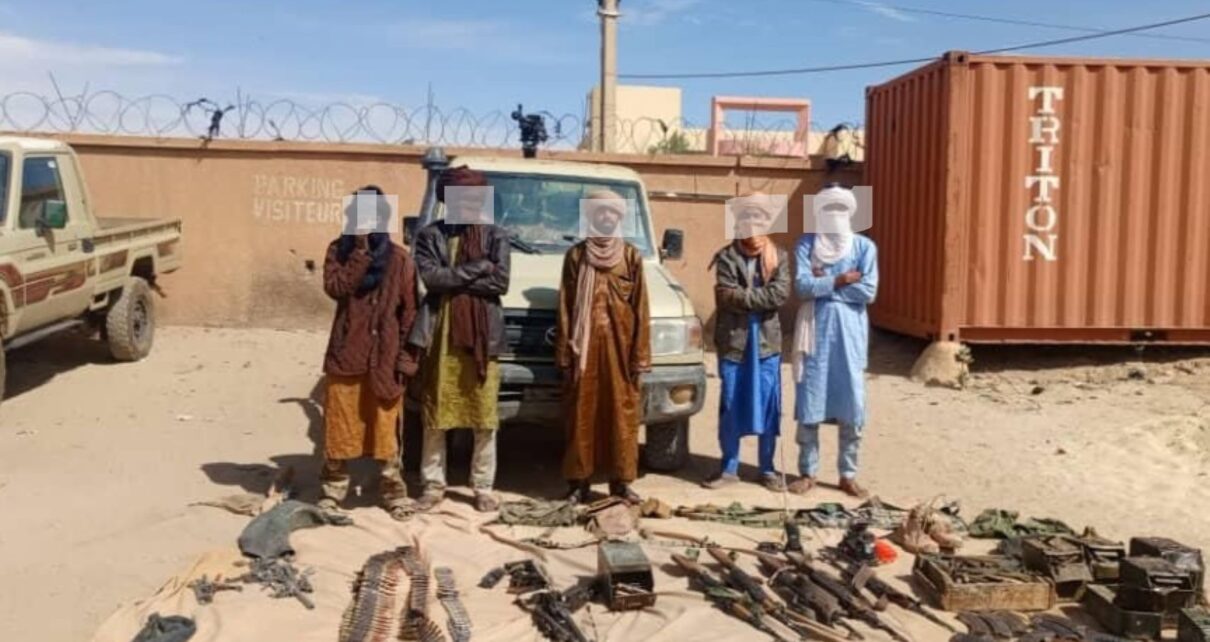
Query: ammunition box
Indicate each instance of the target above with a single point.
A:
(626, 578)
(1026, 593)
(1184, 557)
(1156, 573)
(1101, 603)
(1104, 557)
(1166, 602)
(1193, 625)
(1062, 560)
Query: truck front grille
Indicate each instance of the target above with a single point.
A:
(530, 333)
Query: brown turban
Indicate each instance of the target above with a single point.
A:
(459, 177)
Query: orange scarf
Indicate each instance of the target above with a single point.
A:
(763, 248)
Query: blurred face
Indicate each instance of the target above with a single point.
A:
(367, 213)
(833, 218)
(466, 205)
(606, 218)
(752, 221)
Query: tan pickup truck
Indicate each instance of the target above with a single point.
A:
(61, 267)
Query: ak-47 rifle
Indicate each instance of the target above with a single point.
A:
(800, 592)
(552, 617)
(853, 602)
(862, 576)
(734, 603)
(741, 580)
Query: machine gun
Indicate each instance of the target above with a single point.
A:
(808, 597)
(851, 601)
(281, 578)
(204, 588)
(549, 609)
(533, 131)
(740, 580)
(734, 603)
(862, 576)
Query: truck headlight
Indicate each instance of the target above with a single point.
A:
(675, 336)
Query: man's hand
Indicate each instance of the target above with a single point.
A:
(847, 278)
(727, 295)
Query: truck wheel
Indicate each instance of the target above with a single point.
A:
(130, 322)
(667, 447)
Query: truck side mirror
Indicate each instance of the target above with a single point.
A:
(673, 245)
(53, 215)
(410, 225)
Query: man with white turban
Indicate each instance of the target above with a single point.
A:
(836, 280)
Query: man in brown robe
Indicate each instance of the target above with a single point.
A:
(603, 346)
(373, 281)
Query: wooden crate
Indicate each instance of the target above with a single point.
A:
(941, 589)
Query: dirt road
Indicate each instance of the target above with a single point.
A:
(99, 462)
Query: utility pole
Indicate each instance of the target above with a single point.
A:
(607, 105)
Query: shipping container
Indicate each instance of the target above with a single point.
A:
(1037, 199)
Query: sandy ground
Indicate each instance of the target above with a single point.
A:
(99, 462)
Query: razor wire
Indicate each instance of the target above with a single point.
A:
(284, 119)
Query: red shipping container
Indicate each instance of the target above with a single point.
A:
(1037, 199)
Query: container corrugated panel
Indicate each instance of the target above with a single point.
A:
(1043, 199)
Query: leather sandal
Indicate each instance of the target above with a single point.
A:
(773, 482)
(722, 480)
(623, 490)
(577, 492)
(802, 485)
(850, 487)
(429, 500)
(485, 502)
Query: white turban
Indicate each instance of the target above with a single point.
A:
(834, 230)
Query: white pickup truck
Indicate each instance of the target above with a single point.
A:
(537, 202)
(61, 267)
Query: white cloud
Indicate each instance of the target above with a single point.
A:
(25, 51)
(888, 12)
(655, 12)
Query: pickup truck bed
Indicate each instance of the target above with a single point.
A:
(136, 226)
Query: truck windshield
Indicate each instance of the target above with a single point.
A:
(544, 211)
(3, 185)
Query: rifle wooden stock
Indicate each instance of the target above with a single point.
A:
(853, 603)
(752, 586)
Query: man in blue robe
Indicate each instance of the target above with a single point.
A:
(836, 280)
(752, 283)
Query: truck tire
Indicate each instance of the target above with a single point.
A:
(667, 447)
(130, 322)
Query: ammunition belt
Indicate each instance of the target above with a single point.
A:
(447, 593)
(428, 631)
(415, 617)
(369, 616)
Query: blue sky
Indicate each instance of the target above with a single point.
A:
(489, 54)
